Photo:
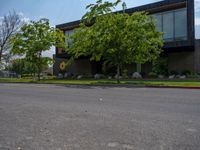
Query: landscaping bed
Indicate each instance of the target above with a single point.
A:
(128, 82)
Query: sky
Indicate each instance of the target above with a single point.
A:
(62, 11)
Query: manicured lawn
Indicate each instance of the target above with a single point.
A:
(145, 82)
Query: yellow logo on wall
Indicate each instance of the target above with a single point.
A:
(62, 65)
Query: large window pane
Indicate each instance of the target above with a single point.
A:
(69, 33)
(158, 19)
(168, 26)
(181, 24)
(66, 33)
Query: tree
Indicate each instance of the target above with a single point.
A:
(36, 38)
(99, 9)
(9, 26)
(16, 65)
(23, 66)
(118, 39)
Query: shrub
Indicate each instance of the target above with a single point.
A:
(143, 74)
(193, 75)
(173, 72)
(84, 76)
(125, 74)
(109, 70)
(27, 75)
(152, 75)
(160, 66)
(87, 76)
(186, 72)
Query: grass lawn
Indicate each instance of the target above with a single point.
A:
(145, 82)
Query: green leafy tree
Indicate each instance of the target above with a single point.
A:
(117, 39)
(23, 66)
(36, 38)
(98, 9)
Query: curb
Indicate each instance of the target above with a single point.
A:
(78, 85)
(173, 87)
(105, 85)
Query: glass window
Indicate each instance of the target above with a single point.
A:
(181, 24)
(173, 24)
(168, 26)
(66, 33)
(158, 19)
(69, 33)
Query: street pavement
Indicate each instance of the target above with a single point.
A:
(58, 117)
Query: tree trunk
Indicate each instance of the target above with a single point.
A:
(0, 56)
(1, 51)
(118, 73)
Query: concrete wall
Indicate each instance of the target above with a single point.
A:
(147, 67)
(78, 67)
(181, 61)
(197, 56)
(56, 65)
(177, 61)
(82, 66)
(186, 60)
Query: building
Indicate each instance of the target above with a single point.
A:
(174, 17)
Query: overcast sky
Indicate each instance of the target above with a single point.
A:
(62, 11)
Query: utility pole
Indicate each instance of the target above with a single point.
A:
(124, 7)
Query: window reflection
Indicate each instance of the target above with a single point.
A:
(173, 24)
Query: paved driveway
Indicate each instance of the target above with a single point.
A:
(50, 117)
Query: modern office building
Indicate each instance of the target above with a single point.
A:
(173, 17)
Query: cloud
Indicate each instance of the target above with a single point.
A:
(23, 17)
(41, 17)
(49, 53)
(1, 18)
(197, 21)
(26, 20)
(197, 5)
(20, 13)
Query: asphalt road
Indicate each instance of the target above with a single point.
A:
(50, 117)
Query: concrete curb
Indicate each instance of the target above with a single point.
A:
(104, 85)
(173, 87)
(78, 85)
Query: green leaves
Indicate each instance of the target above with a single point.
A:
(98, 9)
(35, 38)
(118, 39)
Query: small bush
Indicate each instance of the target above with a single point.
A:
(173, 72)
(186, 72)
(193, 75)
(109, 70)
(125, 74)
(143, 74)
(152, 75)
(27, 75)
(160, 66)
